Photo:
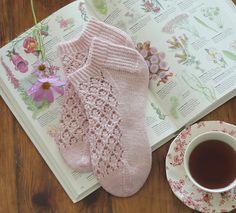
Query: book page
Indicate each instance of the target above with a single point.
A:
(40, 119)
(189, 46)
(159, 126)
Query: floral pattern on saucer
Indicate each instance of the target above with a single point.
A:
(180, 184)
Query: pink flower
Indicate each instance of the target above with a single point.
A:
(30, 45)
(144, 53)
(44, 87)
(178, 148)
(63, 23)
(163, 65)
(19, 62)
(162, 55)
(154, 59)
(15, 82)
(156, 9)
(148, 5)
(154, 68)
(153, 50)
(41, 68)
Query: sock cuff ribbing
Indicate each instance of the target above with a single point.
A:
(94, 28)
(106, 54)
(103, 54)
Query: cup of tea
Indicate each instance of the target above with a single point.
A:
(210, 161)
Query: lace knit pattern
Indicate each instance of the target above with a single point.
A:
(73, 61)
(73, 121)
(114, 77)
(73, 127)
(101, 107)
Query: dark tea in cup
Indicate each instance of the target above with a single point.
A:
(210, 161)
(213, 164)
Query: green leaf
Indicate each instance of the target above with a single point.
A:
(229, 55)
(204, 24)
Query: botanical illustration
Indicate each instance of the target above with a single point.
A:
(151, 6)
(180, 22)
(173, 109)
(132, 16)
(82, 10)
(161, 116)
(65, 24)
(204, 24)
(38, 88)
(35, 107)
(194, 83)
(213, 15)
(20, 64)
(216, 57)
(230, 55)
(158, 68)
(180, 45)
(100, 6)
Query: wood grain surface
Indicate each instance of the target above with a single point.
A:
(26, 182)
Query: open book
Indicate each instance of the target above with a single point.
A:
(189, 45)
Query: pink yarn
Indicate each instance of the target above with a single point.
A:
(113, 89)
(73, 130)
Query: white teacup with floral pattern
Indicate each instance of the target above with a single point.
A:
(211, 135)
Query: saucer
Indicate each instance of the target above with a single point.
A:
(180, 184)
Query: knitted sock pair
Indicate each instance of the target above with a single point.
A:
(102, 118)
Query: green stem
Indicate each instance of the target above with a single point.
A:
(38, 33)
(33, 12)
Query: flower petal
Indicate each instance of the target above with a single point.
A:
(34, 88)
(58, 83)
(59, 90)
(43, 80)
(48, 95)
(38, 95)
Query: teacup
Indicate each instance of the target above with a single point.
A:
(211, 147)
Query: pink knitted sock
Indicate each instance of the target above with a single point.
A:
(113, 89)
(73, 122)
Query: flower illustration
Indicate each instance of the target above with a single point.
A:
(194, 83)
(36, 89)
(151, 6)
(216, 57)
(30, 45)
(15, 82)
(158, 68)
(43, 89)
(101, 6)
(82, 10)
(183, 56)
(65, 23)
(213, 14)
(180, 22)
(41, 68)
(44, 69)
(20, 64)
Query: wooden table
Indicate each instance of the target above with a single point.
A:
(26, 182)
